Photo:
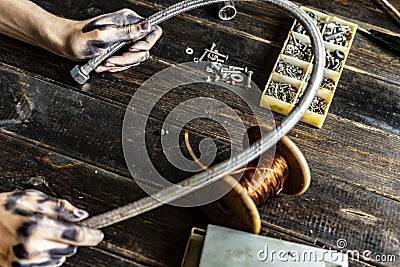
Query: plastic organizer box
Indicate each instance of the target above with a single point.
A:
(293, 67)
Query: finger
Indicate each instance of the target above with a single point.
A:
(119, 69)
(53, 230)
(40, 262)
(121, 17)
(147, 42)
(105, 38)
(60, 209)
(40, 248)
(28, 202)
(128, 59)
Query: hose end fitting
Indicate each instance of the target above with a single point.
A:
(227, 10)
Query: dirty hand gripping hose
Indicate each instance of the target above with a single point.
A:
(220, 170)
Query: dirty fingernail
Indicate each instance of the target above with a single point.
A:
(80, 213)
(145, 26)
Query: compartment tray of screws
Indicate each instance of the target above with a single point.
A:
(292, 70)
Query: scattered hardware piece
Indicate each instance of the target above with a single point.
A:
(205, 53)
(227, 10)
(250, 75)
(228, 74)
(164, 132)
(291, 72)
(189, 51)
(237, 77)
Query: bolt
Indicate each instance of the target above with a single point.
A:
(216, 66)
(207, 51)
(219, 60)
(249, 76)
(238, 68)
(226, 70)
(333, 36)
(218, 54)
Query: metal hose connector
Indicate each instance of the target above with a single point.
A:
(267, 141)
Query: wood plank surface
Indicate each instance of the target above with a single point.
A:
(70, 135)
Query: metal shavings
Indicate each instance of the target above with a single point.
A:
(282, 91)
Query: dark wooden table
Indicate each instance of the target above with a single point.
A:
(70, 136)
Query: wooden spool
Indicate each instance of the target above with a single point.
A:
(237, 210)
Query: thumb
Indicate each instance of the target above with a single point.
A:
(134, 32)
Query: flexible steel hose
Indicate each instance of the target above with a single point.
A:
(264, 144)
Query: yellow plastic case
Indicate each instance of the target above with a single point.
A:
(292, 70)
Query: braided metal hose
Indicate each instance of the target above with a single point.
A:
(220, 170)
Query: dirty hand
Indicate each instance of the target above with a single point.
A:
(92, 37)
(39, 230)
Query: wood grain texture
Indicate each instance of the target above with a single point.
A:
(71, 135)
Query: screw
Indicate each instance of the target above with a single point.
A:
(249, 76)
(218, 54)
(207, 51)
(226, 70)
(216, 66)
(238, 68)
(219, 60)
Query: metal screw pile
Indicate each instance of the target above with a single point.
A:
(334, 59)
(282, 91)
(328, 83)
(297, 49)
(337, 34)
(318, 106)
(289, 70)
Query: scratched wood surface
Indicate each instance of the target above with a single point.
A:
(70, 136)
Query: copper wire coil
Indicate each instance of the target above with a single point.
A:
(272, 178)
